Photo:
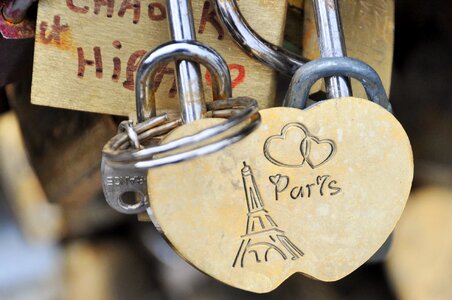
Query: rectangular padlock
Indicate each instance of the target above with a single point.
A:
(87, 52)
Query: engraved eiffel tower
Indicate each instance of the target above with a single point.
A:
(262, 233)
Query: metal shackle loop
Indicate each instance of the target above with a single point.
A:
(307, 75)
(253, 44)
(330, 37)
(172, 51)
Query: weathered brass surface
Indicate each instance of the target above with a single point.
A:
(315, 191)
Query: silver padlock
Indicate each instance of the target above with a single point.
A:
(125, 186)
(125, 189)
(124, 168)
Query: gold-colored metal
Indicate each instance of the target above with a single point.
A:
(315, 191)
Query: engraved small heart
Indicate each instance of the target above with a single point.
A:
(317, 152)
(275, 179)
(280, 182)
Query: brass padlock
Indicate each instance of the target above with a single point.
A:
(315, 191)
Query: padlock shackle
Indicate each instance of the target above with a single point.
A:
(300, 86)
(172, 51)
(330, 37)
(188, 74)
(285, 62)
(331, 43)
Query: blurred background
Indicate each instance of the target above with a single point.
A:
(60, 240)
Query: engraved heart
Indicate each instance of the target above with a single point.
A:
(317, 152)
(282, 149)
(275, 179)
(280, 182)
(324, 222)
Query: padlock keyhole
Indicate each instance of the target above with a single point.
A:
(131, 199)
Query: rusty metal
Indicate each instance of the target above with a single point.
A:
(14, 23)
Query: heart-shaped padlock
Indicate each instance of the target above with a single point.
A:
(314, 191)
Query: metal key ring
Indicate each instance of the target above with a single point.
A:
(127, 127)
(125, 177)
(253, 44)
(249, 112)
(307, 75)
(194, 51)
(188, 50)
(255, 120)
